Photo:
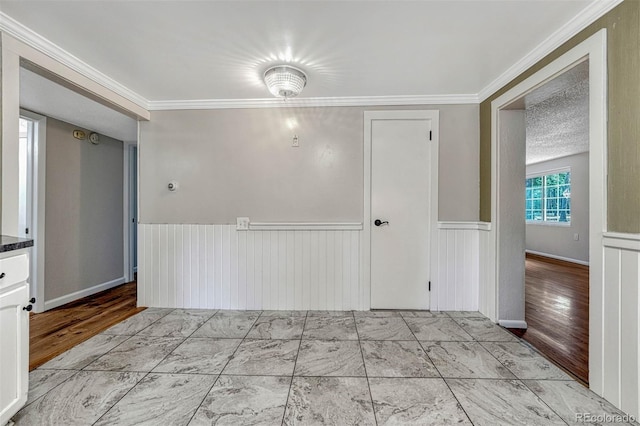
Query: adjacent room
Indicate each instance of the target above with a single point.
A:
(327, 212)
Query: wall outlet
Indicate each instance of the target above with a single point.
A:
(242, 223)
(576, 237)
(296, 142)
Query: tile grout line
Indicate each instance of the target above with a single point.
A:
(47, 392)
(225, 365)
(438, 370)
(570, 375)
(129, 337)
(149, 372)
(542, 400)
(153, 322)
(516, 378)
(492, 354)
(373, 408)
(286, 403)
(510, 370)
(139, 335)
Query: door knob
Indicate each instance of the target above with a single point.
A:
(379, 222)
(27, 308)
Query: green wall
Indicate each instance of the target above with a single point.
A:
(623, 153)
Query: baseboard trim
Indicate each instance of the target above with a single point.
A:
(553, 256)
(513, 324)
(59, 301)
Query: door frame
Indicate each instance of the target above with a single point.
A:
(595, 50)
(38, 209)
(365, 257)
(128, 214)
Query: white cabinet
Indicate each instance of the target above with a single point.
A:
(14, 333)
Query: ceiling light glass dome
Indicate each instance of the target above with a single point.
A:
(285, 81)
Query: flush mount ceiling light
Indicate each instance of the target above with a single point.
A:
(285, 81)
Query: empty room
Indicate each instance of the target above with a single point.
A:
(319, 212)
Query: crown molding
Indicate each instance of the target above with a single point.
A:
(31, 38)
(24, 34)
(586, 17)
(313, 102)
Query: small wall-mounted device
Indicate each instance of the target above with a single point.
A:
(172, 186)
(242, 223)
(79, 134)
(296, 141)
(94, 138)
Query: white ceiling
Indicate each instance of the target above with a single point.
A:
(188, 50)
(45, 97)
(557, 116)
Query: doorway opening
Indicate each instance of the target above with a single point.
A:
(74, 155)
(506, 281)
(556, 219)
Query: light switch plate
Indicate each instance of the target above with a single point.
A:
(242, 223)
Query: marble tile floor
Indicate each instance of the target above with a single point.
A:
(203, 367)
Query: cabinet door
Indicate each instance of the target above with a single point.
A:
(14, 351)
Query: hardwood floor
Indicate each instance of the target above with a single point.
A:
(557, 312)
(60, 329)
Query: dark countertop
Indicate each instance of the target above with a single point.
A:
(8, 243)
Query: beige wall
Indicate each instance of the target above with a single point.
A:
(556, 239)
(240, 162)
(623, 154)
(84, 205)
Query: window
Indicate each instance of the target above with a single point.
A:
(548, 198)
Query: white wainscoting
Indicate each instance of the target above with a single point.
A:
(620, 369)
(292, 266)
(458, 269)
(487, 253)
(216, 266)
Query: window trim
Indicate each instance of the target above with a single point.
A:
(543, 174)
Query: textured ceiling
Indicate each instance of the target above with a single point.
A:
(557, 116)
(188, 50)
(45, 97)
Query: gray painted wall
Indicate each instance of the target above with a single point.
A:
(240, 162)
(558, 240)
(83, 240)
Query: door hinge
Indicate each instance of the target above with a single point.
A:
(430, 135)
(429, 285)
(26, 231)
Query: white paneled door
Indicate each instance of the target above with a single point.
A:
(400, 213)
